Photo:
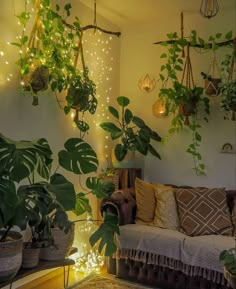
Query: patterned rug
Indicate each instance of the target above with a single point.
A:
(101, 282)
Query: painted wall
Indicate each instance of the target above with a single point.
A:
(138, 57)
(20, 120)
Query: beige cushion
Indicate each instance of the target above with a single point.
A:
(145, 201)
(166, 215)
(203, 211)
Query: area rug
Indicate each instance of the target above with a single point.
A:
(101, 282)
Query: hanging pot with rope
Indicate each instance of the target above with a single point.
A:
(212, 77)
(188, 94)
(81, 94)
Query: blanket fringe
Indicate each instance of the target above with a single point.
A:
(163, 261)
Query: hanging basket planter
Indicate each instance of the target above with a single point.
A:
(212, 86)
(186, 109)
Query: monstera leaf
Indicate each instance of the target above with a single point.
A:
(63, 190)
(105, 235)
(99, 187)
(18, 159)
(8, 201)
(78, 157)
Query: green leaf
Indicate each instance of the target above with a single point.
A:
(82, 125)
(115, 131)
(123, 101)
(78, 157)
(139, 122)
(63, 190)
(99, 187)
(8, 201)
(152, 150)
(113, 111)
(104, 236)
(163, 55)
(229, 35)
(120, 152)
(128, 116)
(82, 204)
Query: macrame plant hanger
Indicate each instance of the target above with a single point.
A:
(80, 54)
(187, 77)
(213, 77)
(38, 76)
(231, 75)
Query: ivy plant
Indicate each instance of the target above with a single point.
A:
(49, 57)
(185, 102)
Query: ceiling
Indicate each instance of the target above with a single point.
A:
(123, 12)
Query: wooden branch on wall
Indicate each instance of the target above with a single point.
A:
(224, 43)
(87, 27)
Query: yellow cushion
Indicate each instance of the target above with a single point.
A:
(166, 214)
(145, 201)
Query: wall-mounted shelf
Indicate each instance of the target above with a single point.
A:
(231, 152)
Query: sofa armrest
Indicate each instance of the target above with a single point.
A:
(123, 204)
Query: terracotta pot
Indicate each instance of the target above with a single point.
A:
(10, 256)
(187, 109)
(61, 247)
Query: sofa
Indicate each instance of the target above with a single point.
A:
(171, 236)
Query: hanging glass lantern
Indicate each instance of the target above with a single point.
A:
(158, 108)
(147, 84)
(209, 8)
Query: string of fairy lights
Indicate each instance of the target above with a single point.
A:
(98, 53)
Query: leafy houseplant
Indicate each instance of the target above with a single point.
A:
(54, 195)
(132, 131)
(183, 101)
(45, 64)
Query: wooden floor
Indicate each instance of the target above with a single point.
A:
(55, 280)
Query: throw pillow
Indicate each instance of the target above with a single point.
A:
(203, 211)
(166, 215)
(145, 201)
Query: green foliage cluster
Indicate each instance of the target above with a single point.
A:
(49, 56)
(134, 134)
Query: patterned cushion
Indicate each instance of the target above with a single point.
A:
(145, 201)
(166, 215)
(203, 211)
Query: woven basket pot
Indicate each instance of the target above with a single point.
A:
(61, 247)
(10, 256)
(30, 257)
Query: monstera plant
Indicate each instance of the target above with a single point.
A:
(32, 161)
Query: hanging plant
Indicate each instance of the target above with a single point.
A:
(183, 101)
(49, 56)
(228, 86)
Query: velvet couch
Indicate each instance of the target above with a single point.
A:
(175, 260)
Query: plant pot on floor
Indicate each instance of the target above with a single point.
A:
(30, 256)
(10, 255)
(61, 246)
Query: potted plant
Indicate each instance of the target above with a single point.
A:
(21, 160)
(186, 103)
(133, 133)
(228, 259)
(46, 64)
